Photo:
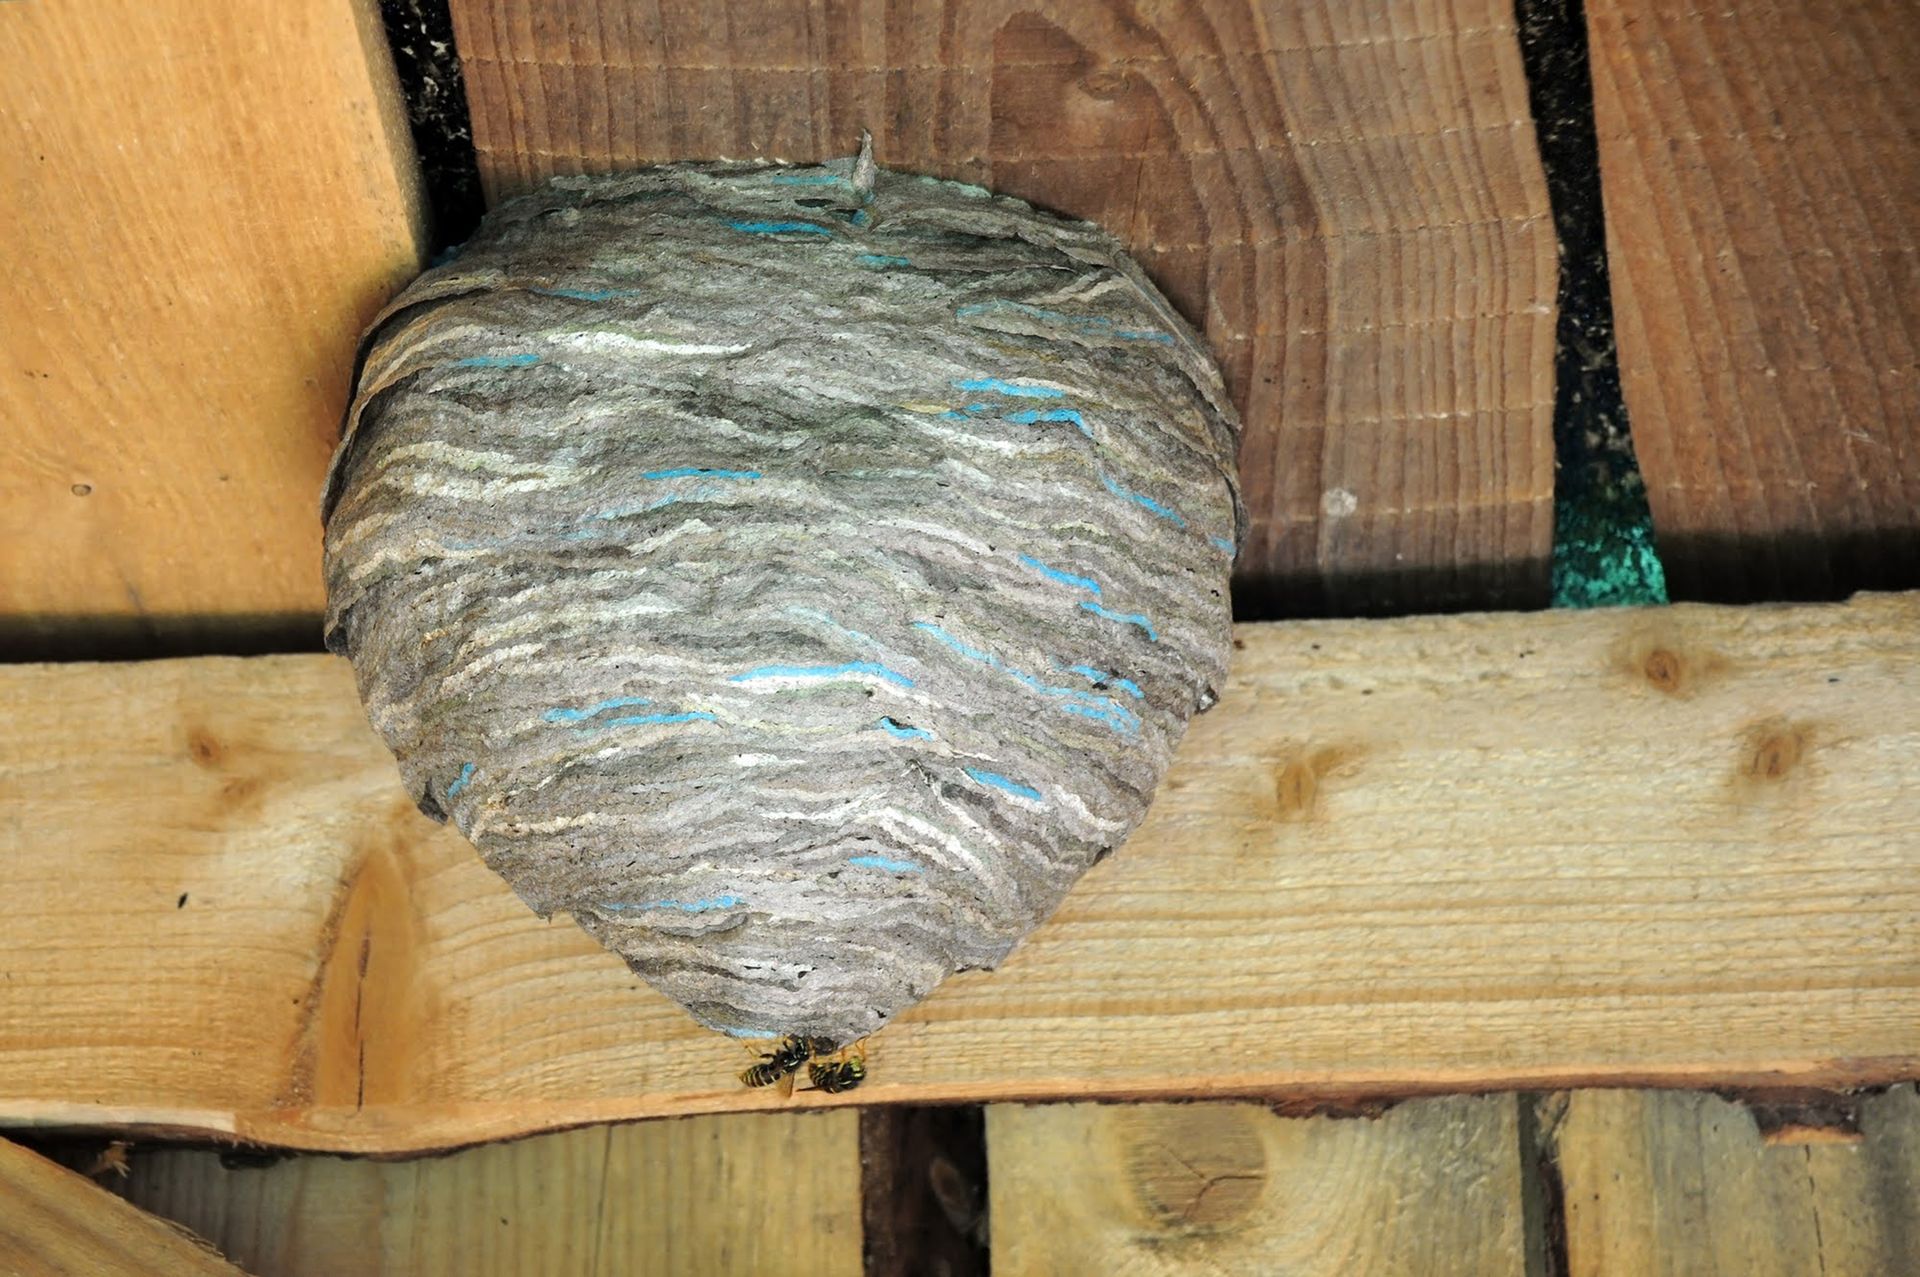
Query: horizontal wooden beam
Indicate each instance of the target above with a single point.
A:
(1667, 846)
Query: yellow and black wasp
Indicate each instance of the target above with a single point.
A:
(789, 1055)
(835, 1076)
(830, 1068)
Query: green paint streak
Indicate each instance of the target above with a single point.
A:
(1603, 549)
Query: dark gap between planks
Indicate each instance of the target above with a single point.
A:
(1603, 545)
(149, 636)
(1543, 1193)
(420, 33)
(923, 1188)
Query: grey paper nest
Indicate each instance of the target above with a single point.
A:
(799, 576)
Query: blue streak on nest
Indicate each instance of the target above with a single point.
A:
(798, 575)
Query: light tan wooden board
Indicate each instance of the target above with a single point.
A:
(1681, 1185)
(1433, 1188)
(203, 206)
(711, 1195)
(54, 1223)
(1762, 197)
(1346, 197)
(1421, 855)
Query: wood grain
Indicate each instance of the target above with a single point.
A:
(203, 209)
(1671, 845)
(1682, 1185)
(1346, 198)
(1763, 225)
(707, 1195)
(1433, 1187)
(54, 1222)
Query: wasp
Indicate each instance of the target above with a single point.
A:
(788, 1056)
(835, 1076)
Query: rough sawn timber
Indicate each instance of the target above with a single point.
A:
(1761, 193)
(1673, 846)
(1347, 199)
(203, 206)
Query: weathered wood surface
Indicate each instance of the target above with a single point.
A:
(1346, 198)
(54, 1223)
(708, 1195)
(1682, 1185)
(203, 205)
(1673, 845)
(1432, 1187)
(1762, 199)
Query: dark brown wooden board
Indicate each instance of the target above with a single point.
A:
(1346, 197)
(1762, 196)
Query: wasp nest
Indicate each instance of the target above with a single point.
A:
(799, 576)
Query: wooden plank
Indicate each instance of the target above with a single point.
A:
(55, 1222)
(1346, 198)
(1683, 1185)
(1432, 1187)
(1760, 187)
(1669, 845)
(746, 1195)
(203, 207)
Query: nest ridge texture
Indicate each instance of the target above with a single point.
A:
(798, 575)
